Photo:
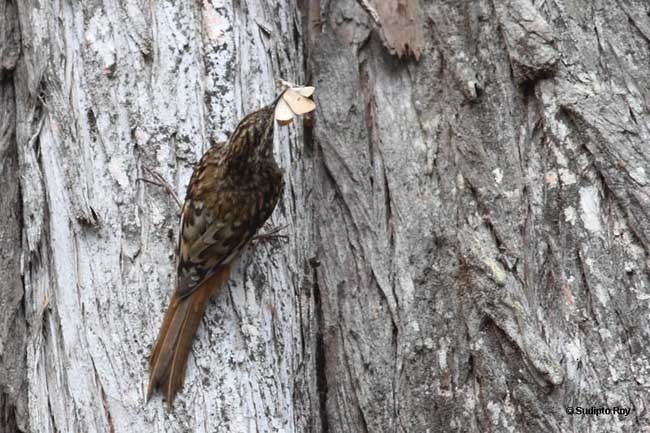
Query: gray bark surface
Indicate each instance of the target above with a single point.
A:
(468, 217)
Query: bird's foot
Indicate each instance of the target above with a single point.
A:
(271, 235)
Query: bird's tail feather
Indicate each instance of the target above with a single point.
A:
(174, 342)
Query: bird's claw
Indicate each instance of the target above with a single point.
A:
(271, 235)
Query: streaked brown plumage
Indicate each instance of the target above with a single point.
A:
(232, 192)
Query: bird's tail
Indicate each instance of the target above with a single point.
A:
(174, 342)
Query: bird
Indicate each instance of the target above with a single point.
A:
(233, 190)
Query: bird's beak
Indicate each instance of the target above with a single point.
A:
(277, 99)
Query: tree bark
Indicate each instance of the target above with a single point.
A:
(105, 94)
(468, 216)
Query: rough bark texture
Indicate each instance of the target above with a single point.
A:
(469, 217)
(483, 251)
(103, 92)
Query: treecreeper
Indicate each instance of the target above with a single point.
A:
(233, 190)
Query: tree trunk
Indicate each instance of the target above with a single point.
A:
(468, 217)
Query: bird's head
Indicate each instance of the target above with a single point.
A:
(252, 139)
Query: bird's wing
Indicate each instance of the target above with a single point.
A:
(217, 222)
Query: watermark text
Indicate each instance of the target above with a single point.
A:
(598, 411)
